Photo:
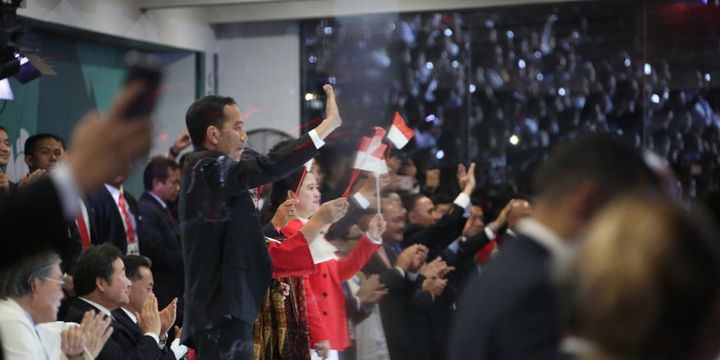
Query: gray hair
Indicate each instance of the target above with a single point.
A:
(15, 280)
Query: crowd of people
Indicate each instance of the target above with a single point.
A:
(231, 254)
(503, 86)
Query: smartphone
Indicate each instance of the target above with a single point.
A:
(145, 69)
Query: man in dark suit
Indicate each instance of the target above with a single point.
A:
(101, 285)
(227, 266)
(512, 311)
(137, 270)
(116, 216)
(159, 230)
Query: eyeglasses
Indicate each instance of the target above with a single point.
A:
(60, 282)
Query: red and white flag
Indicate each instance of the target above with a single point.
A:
(400, 134)
(309, 164)
(371, 154)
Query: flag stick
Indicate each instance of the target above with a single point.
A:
(302, 178)
(377, 188)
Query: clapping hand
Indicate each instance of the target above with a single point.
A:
(371, 290)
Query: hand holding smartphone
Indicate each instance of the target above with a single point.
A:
(146, 70)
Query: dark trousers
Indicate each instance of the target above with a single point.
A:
(231, 341)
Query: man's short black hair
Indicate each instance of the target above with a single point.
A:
(441, 198)
(205, 112)
(2, 128)
(95, 262)
(613, 166)
(31, 142)
(158, 168)
(409, 201)
(133, 263)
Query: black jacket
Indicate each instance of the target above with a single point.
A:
(123, 343)
(511, 311)
(134, 329)
(108, 222)
(31, 220)
(439, 235)
(402, 310)
(161, 244)
(227, 266)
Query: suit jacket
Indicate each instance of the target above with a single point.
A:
(134, 329)
(23, 340)
(161, 244)
(402, 310)
(123, 344)
(108, 223)
(510, 312)
(439, 235)
(227, 266)
(31, 220)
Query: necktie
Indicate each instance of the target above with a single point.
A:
(170, 215)
(82, 228)
(128, 223)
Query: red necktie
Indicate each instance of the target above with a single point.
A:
(170, 215)
(126, 218)
(82, 227)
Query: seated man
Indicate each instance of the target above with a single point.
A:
(101, 285)
(137, 269)
(31, 291)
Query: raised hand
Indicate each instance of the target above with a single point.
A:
(434, 286)
(377, 227)
(461, 175)
(149, 317)
(95, 142)
(520, 209)
(181, 143)
(167, 317)
(332, 114)
(469, 180)
(419, 258)
(72, 341)
(371, 290)
(412, 258)
(331, 211)
(96, 330)
(284, 213)
(434, 269)
(32, 177)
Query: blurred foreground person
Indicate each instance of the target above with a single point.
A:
(648, 284)
(512, 311)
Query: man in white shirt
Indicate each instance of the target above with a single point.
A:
(31, 291)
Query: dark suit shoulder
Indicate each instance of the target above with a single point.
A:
(521, 268)
(77, 310)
